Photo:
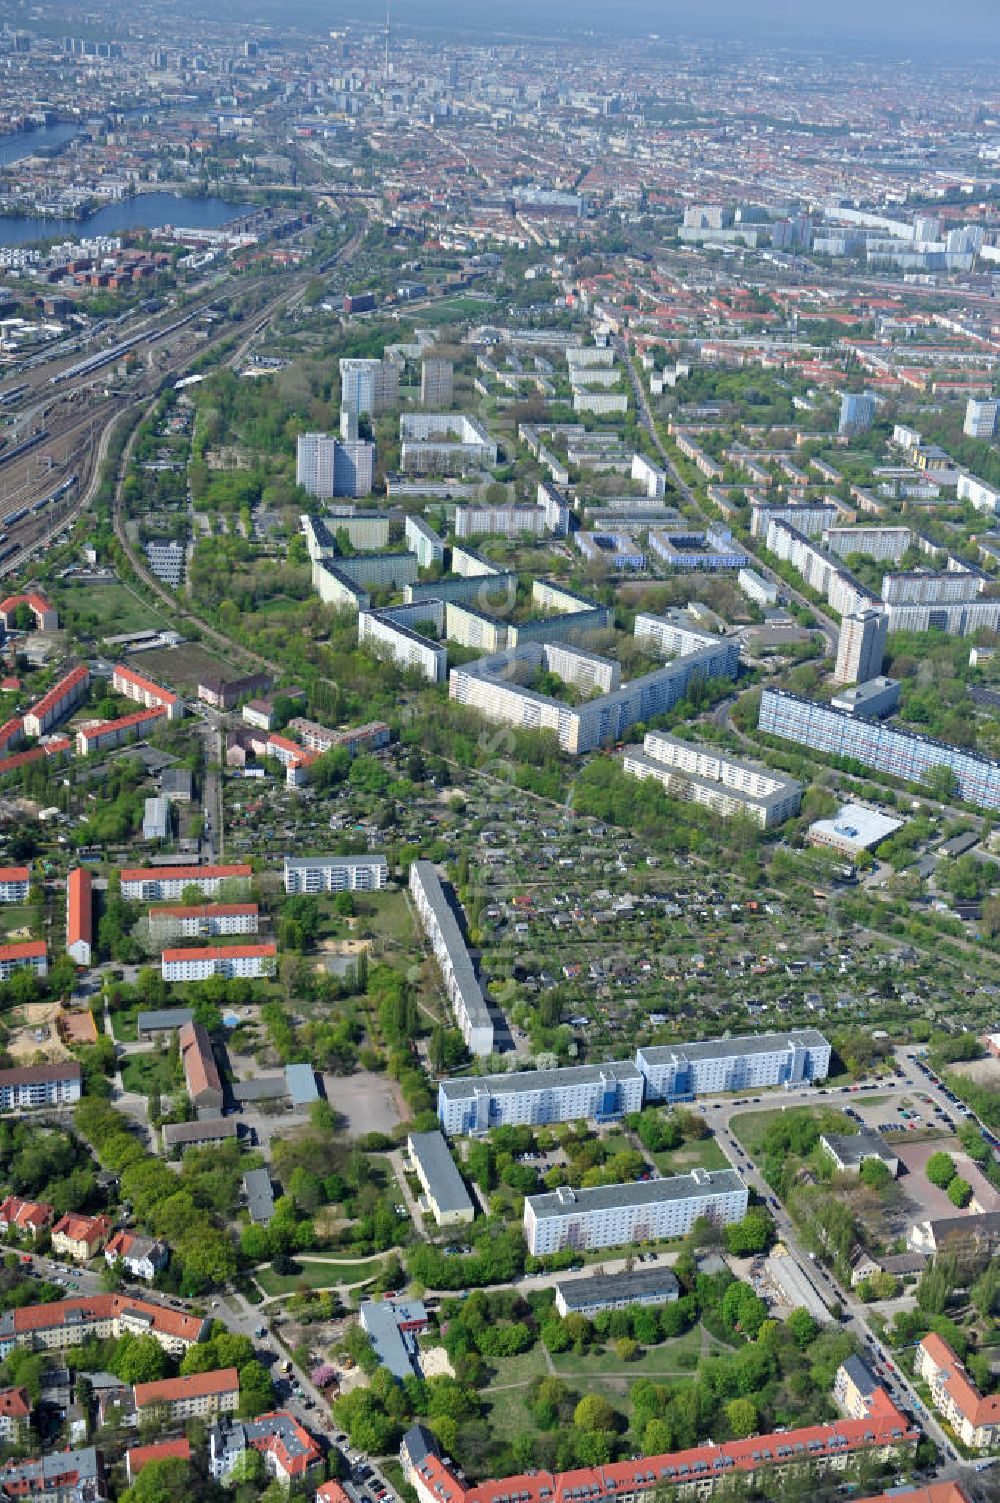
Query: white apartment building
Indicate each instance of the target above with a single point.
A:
(422, 540)
(675, 635)
(953, 586)
(369, 387)
(703, 776)
(650, 475)
(437, 381)
(877, 542)
(154, 884)
(980, 418)
(132, 685)
(106, 734)
(329, 466)
(629, 1215)
(591, 1093)
(958, 618)
(14, 884)
(201, 920)
(461, 983)
(335, 873)
(982, 496)
(251, 961)
(24, 953)
(387, 630)
(679, 1072)
(472, 628)
(442, 443)
(861, 646)
(60, 700)
(756, 588)
(556, 508)
(500, 521)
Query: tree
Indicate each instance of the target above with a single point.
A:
(940, 1170)
(593, 1412)
(626, 1349)
(751, 1235)
(742, 1417)
(959, 1192)
(256, 1390)
(874, 1174)
(139, 1359)
(803, 1327)
(160, 1482)
(941, 783)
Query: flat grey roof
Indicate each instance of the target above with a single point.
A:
(644, 1283)
(393, 1348)
(301, 1083)
(750, 1043)
(463, 971)
(164, 1018)
(782, 789)
(702, 1182)
(208, 1131)
(261, 1088)
(260, 1195)
(855, 1147)
(466, 1087)
(438, 1166)
(310, 863)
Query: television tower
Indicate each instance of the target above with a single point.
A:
(387, 3)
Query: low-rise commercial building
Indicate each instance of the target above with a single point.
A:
(335, 873)
(849, 1151)
(461, 983)
(575, 1093)
(873, 699)
(615, 1215)
(591, 1295)
(392, 1327)
(443, 1187)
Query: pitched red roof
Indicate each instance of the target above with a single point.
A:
(185, 873)
(162, 1450)
(194, 1386)
(974, 1406)
(79, 916)
(15, 1403)
(107, 1307)
(168, 697)
(221, 952)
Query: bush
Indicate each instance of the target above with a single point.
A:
(940, 1170)
(960, 1192)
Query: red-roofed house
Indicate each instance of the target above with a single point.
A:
(331, 1492)
(110, 733)
(15, 1414)
(935, 1492)
(79, 915)
(880, 1435)
(79, 1237)
(133, 685)
(63, 697)
(46, 616)
(14, 883)
(162, 1450)
(196, 1396)
(28, 1217)
(25, 952)
(257, 959)
(975, 1419)
(289, 1451)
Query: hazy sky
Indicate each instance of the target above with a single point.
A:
(902, 27)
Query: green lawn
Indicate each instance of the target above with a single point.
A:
(17, 916)
(143, 1073)
(677, 1356)
(749, 1127)
(317, 1276)
(702, 1153)
(105, 609)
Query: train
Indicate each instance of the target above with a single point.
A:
(13, 394)
(108, 357)
(10, 549)
(56, 495)
(6, 455)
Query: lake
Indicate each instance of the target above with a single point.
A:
(145, 211)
